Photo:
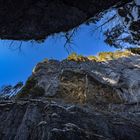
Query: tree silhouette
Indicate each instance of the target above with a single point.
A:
(9, 91)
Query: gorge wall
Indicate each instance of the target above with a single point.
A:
(36, 19)
(71, 100)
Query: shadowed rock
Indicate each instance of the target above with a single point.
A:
(36, 19)
(76, 100)
(87, 82)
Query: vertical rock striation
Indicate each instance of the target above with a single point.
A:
(76, 100)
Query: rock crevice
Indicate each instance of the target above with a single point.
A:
(76, 100)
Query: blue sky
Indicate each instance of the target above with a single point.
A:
(17, 65)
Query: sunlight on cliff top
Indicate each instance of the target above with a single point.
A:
(101, 57)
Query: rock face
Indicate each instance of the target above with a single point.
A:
(114, 81)
(76, 101)
(36, 19)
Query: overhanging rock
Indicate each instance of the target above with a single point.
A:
(36, 19)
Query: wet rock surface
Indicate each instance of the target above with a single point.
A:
(78, 101)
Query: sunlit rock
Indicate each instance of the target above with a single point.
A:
(76, 100)
(115, 81)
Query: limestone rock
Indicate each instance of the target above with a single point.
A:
(76, 101)
(34, 119)
(91, 82)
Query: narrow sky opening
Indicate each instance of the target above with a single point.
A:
(17, 64)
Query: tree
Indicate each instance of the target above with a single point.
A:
(126, 31)
(9, 91)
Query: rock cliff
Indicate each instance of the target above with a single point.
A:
(71, 100)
